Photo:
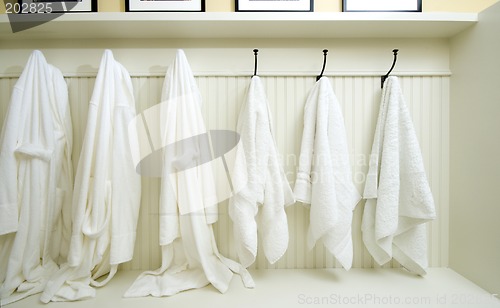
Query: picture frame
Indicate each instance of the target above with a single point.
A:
(382, 5)
(274, 5)
(55, 6)
(165, 5)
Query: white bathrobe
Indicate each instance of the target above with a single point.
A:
(36, 181)
(399, 200)
(263, 190)
(188, 198)
(324, 179)
(107, 190)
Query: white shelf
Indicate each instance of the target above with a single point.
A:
(246, 25)
(301, 288)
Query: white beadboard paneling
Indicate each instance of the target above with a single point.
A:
(359, 96)
(444, 175)
(80, 93)
(6, 86)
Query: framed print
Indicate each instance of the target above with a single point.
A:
(382, 5)
(165, 5)
(274, 5)
(57, 6)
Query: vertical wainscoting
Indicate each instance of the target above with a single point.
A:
(428, 101)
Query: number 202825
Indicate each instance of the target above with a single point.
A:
(28, 8)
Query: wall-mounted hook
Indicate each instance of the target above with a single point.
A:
(255, 52)
(325, 51)
(395, 51)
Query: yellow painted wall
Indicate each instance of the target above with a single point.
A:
(456, 5)
(319, 5)
(111, 5)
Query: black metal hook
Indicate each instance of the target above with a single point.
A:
(255, 52)
(325, 51)
(395, 51)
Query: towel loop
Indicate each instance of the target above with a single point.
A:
(325, 51)
(255, 52)
(395, 51)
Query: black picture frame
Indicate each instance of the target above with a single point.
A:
(48, 6)
(165, 6)
(274, 6)
(410, 6)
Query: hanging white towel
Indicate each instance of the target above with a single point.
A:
(36, 181)
(188, 199)
(263, 190)
(399, 200)
(107, 190)
(324, 179)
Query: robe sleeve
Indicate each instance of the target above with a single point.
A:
(8, 166)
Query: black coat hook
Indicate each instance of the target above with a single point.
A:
(395, 51)
(255, 52)
(325, 51)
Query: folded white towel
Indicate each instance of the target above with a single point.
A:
(36, 180)
(188, 199)
(107, 190)
(399, 200)
(264, 192)
(324, 179)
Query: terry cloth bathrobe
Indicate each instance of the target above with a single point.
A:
(399, 200)
(188, 199)
(324, 179)
(107, 190)
(36, 181)
(264, 192)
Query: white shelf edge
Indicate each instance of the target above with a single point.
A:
(246, 25)
(266, 16)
